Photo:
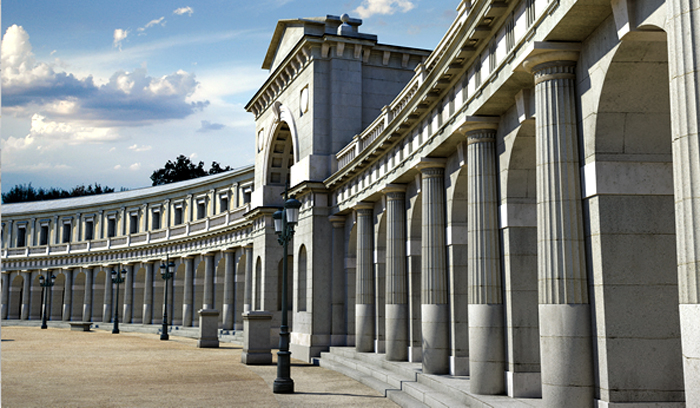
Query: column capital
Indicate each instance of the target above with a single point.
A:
(479, 123)
(481, 136)
(394, 188)
(337, 221)
(363, 206)
(542, 52)
(427, 163)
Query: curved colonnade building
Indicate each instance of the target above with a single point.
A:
(517, 205)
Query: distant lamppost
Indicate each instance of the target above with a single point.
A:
(117, 279)
(167, 271)
(46, 283)
(284, 227)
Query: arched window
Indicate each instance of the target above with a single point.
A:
(301, 292)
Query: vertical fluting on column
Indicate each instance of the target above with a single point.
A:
(229, 279)
(364, 287)
(338, 332)
(188, 298)
(565, 320)
(128, 294)
(107, 307)
(486, 335)
(26, 295)
(396, 307)
(147, 317)
(208, 302)
(248, 291)
(435, 312)
(88, 295)
(684, 75)
(67, 295)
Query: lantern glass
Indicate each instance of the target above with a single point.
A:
(162, 269)
(171, 267)
(292, 206)
(277, 218)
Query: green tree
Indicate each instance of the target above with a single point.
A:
(183, 169)
(22, 193)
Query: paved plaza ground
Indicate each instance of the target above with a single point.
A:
(62, 368)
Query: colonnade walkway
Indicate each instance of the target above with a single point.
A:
(60, 367)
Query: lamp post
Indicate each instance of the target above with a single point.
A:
(284, 227)
(46, 283)
(167, 271)
(117, 279)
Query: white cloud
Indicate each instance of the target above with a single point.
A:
(372, 7)
(135, 166)
(117, 167)
(119, 36)
(184, 10)
(151, 23)
(138, 148)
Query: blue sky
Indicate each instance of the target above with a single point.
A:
(108, 91)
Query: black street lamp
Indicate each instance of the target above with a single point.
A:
(46, 283)
(284, 227)
(116, 279)
(167, 271)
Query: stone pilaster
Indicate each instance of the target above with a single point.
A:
(229, 280)
(67, 295)
(87, 298)
(150, 268)
(684, 73)
(364, 287)
(435, 312)
(248, 291)
(565, 321)
(128, 294)
(208, 301)
(26, 295)
(188, 296)
(396, 314)
(486, 335)
(338, 331)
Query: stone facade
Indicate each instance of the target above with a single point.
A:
(516, 205)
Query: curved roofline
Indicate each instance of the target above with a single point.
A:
(108, 198)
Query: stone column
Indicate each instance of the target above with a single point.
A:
(486, 332)
(26, 295)
(564, 310)
(208, 301)
(67, 295)
(188, 298)
(148, 293)
(128, 294)
(435, 312)
(364, 287)
(396, 307)
(338, 332)
(4, 307)
(87, 298)
(107, 308)
(684, 73)
(229, 279)
(248, 284)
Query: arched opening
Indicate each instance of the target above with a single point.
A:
(281, 156)
(219, 288)
(139, 295)
(301, 280)
(413, 253)
(56, 295)
(198, 292)
(78, 296)
(98, 296)
(177, 296)
(632, 231)
(257, 290)
(15, 297)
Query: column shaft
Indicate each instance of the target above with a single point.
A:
(684, 73)
(5, 285)
(338, 332)
(364, 287)
(26, 295)
(188, 298)
(248, 291)
(128, 294)
(107, 309)
(434, 306)
(67, 295)
(208, 301)
(148, 293)
(396, 276)
(87, 298)
(486, 335)
(228, 301)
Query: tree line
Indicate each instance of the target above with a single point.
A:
(179, 170)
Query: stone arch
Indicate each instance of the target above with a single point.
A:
(414, 233)
(15, 297)
(98, 295)
(219, 286)
(302, 280)
(629, 195)
(139, 296)
(282, 146)
(178, 296)
(257, 289)
(78, 294)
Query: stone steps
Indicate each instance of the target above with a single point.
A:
(405, 384)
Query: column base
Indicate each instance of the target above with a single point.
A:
(364, 327)
(415, 354)
(605, 404)
(524, 385)
(486, 349)
(338, 340)
(459, 365)
(147, 314)
(690, 343)
(396, 332)
(567, 355)
(436, 338)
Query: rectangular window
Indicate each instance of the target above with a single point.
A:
(155, 220)
(133, 224)
(89, 230)
(201, 210)
(111, 227)
(246, 196)
(67, 227)
(223, 204)
(44, 235)
(21, 236)
(178, 215)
